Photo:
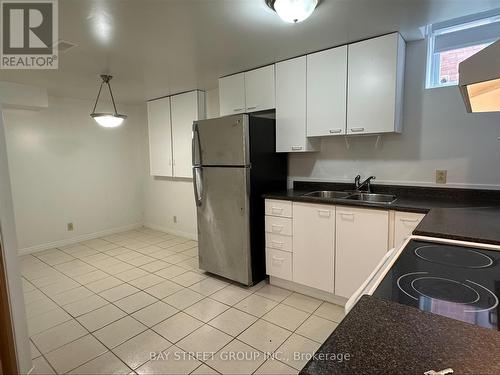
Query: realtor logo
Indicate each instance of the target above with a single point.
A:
(29, 31)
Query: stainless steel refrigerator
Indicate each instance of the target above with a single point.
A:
(234, 163)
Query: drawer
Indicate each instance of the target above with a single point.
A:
(279, 264)
(278, 208)
(279, 225)
(404, 225)
(279, 242)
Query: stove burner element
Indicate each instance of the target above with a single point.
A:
(453, 256)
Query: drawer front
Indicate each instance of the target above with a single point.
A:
(278, 242)
(279, 264)
(404, 225)
(278, 208)
(279, 225)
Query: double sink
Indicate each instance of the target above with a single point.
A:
(353, 196)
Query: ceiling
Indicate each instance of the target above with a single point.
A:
(158, 47)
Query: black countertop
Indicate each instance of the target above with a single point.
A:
(383, 337)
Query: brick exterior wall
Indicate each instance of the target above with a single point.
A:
(449, 60)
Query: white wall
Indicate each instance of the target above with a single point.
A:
(11, 261)
(437, 134)
(65, 168)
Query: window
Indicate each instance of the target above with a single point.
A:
(451, 42)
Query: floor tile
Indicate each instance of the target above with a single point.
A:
(155, 313)
(72, 295)
(136, 351)
(141, 260)
(204, 370)
(247, 363)
(47, 320)
(132, 274)
(118, 292)
(58, 336)
(316, 328)
(149, 249)
(302, 302)
(101, 317)
(104, 284)
(135, 302)
(233, 321)
(146, 281)
(41, 306)
(208, 286)
(85, 305)
(176, 258)
(204, 339)
(331, 312)
(41, 367)
(286, 317)
(55, 257)
(189, 278)
(206, 309)
(275, 367)
(273, 292)
(183, 298)
(35, 353)
(163, 289)
(171, 272)
(128, 255)
(256, 305)
(173, 362)
(297, 351)
(177, 327)
(87, 278)
(155, 266)
(59, 287)
(120, 331)
(230, 295)
(105, 364)
(121, 267)
(75, 354)
(264, 336)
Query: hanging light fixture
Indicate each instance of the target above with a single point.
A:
(107, 120)
(293, 11)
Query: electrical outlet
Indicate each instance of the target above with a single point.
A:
(70, 227)
(175, 219)
(441, 176)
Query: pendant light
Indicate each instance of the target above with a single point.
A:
(107, 120)
(293, 11)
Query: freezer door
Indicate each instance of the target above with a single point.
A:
(221, 141)
(224, 222)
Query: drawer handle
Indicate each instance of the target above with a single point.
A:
(277, 228)
(278, 259)
(409, 220)
(346, 214)
(238, 109)
(357, 130)
(324, 213)
(277, 244)
(335, 131)
(277, 210)
(250, 108)
(296, 148)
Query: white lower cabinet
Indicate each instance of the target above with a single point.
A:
(361, 242)
(279, 263)
(314, 245)
(404, 225)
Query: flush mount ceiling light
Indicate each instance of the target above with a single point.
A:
(107, 120)
(293, 11)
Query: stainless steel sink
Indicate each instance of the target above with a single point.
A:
(374, 198)
(328, 194)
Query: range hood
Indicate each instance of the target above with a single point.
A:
(479, 80)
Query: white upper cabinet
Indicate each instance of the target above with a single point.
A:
(327, 92)
(291, 107)
(186, 108)
(314, 245)
(260, 89)
(375, 85)
(170, 123)
(232, 94)
(160, 137)
(362, 239)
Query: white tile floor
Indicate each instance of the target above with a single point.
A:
(101, 306)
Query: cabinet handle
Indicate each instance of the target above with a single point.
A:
(250, 108)
(238, 109)
(335, 131)
(277, 228)
(349, 214)
(296, 148)
(278, 259)
(276, 210)
(404, 220)
(324, 213)
(357, 130)
(277, 244)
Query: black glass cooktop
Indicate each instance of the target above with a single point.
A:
(458, 282)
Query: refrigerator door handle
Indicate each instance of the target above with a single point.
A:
(198, 190)
(196, 145)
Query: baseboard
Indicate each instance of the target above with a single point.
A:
(191, 236)
(308, 291)
(72, 240)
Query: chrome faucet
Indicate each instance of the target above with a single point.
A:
(366, 184)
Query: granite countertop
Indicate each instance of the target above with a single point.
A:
(383, 337)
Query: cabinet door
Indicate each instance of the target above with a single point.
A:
(314, 245)
(375, 83)
(361, 242)
(404, 225)
(260, 89)
(232, 94)
(186, 108)
(291, 107)
(160, 137)
(327, 92)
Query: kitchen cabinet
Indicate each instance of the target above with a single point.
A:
(160, 137)
(291, 107)
(361, 242)
(404, 225)
(327, 92)
(375, 85)
(170, 122)
(314, 245)
(260, 89)
(279, 232)
(232, 94)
